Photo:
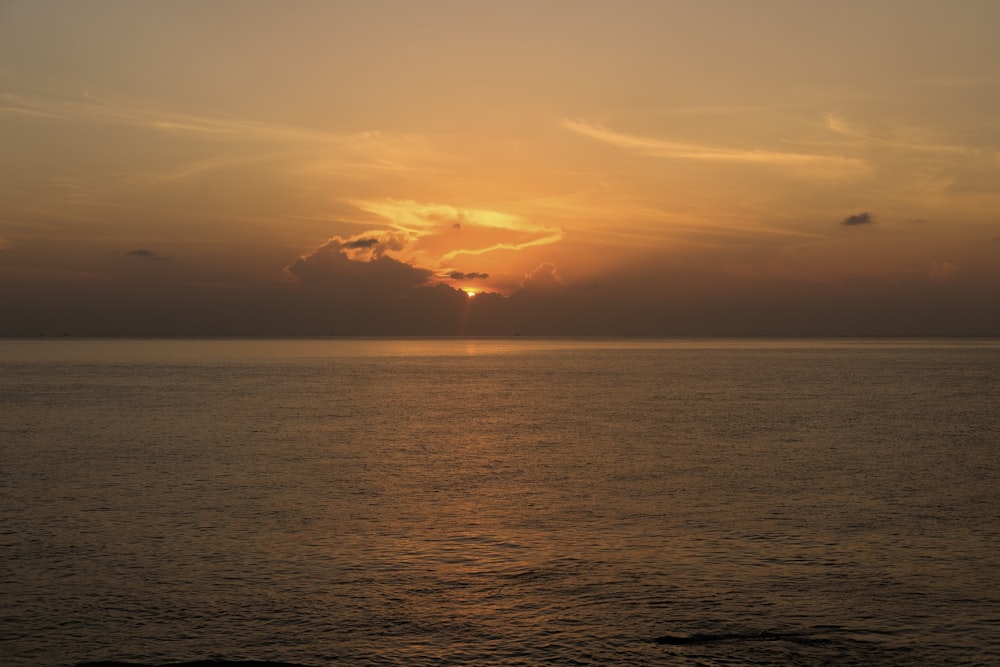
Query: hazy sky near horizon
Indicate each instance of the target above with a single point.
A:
(662, 167)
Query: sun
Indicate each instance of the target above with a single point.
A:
(469, 292)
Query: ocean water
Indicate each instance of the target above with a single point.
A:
(500, 502)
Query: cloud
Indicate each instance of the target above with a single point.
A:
(141, 252)
(368, 245)
(688, 151)
(858, 219)
(352, 287)
(117, 111)
(458, 275)
(420, 218)
(838, 125)
(361, 243)
(543, 279)
(476, 231)
(425, 238)
(544, 240)
(347, 268)
(371, 149)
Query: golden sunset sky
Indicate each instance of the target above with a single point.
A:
(630, 167)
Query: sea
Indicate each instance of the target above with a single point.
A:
(510, 501)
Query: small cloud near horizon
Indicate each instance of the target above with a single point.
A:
(142, 252)
(361, 243)
(458, 275)
(858, 219)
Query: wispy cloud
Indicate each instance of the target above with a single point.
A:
(958, 81)
(426, 219)
(299, 165)
(544, 240)
(54, 275)
(373, 147)
(689, 151)
(422, 218)
(839, 125)
(126, 112)
(18, 105)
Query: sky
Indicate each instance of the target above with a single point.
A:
(627, 167)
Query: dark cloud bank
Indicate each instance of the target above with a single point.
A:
(328, 293)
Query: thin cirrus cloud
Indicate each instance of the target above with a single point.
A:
(430, 219)
(370, 148)
(421, 219)
(688, 151)
(123, 112)
(840, 126)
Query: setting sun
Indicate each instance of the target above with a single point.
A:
(469, 292)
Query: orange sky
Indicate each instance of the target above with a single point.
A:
(630, 167)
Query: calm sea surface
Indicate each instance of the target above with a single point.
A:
(480, 502)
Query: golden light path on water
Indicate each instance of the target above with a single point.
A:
(490, 501)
